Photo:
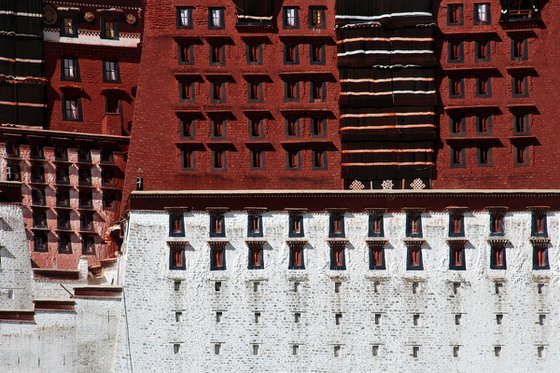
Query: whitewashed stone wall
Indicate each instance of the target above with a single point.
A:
(149, 329)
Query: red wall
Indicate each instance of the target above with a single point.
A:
(156, 142)
(542, 64)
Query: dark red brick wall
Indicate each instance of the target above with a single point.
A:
(156, 142)
(543, 140)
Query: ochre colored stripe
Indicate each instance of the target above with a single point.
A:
(386, 93)
(10, 103)
(388, 80)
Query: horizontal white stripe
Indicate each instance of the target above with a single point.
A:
(388, 164)
(399, 126)
(21, 14)
(379, 51)
(387, 151)
(352, 40)
(398, 65)
(10, 103)
(386, 93)
(87, 38)
(25, 60)
(387, 80)
(253, 17)
(373, 18)
(381, 115)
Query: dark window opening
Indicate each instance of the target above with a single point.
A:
(414, 258)
(64, 244)
(176, 225)
(40, 242)
(376, 258)
(38, 197)
(177, 258)
(256, 260)
(498, 257)
(457, 258)
(63, 198)
(63, 221)
(217, 225)
(296, 258)
(219, 159)
(40, 219)
(88, 245)
(338, 260)
(217, 259)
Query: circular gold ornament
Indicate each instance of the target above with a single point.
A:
(89, 16)
(130, 19)
(49, 15)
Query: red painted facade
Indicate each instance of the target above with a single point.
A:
(157, 135)
(520, 133)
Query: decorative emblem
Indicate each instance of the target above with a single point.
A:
(387, 184)
(49, 15)
(357, 185)
(417, 184)
(130, 19)
(89, 16)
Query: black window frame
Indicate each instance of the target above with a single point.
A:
(62, 30)
(493, 263)
(173, 259)
(107, 72)
(323, 23)
(536, 265)
(221, 52)
(185, 53)
(189, 17)
(452, 218)
(253, 233)
(489, 156)
(410, 266)
(296, 98)
(221, 250)
(296, 54)
(461, 93)
(285, 17)
(452, 265)
(249, 46)
(488, 88)
(180, 217)
(115, 22)
(63, 68)
(372, 264)
(292, 218)
(525, 92)
(409, 220)
(214, 217)
(78, 100)
(251, 260)
(453, 119)
(534, 218)
(184, 86)
(291, 263)
(332, 218)
(323, 54)
(476, 20)
(40, 239)
(333, 264)
(289, 153)
(188, 154)
(450, 21)
(488, 124)
(64, 241)
(222, 24)
(461, 56)
(477, 46)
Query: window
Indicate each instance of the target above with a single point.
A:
(218, 258)
(338, 260)
(540, 257)
(187, 91)
(256, 128)
(319, 159)
(482, 14)
(84, 176)
(521, 155)
(457, 125)
(38, 197)
(256, 260)
(72, 109)
(254, 225)
(482, 50)
(88, 245)
(112, 105)
(484, 156)
(109, 29)
(217, 347)
(520, 86)
(185, 53)
(218, 93)
(317, 17)
(13, 172)
(257, 159)
(295, 349)
(37, 174)
(376, 257)
(293, 159)
(375, 225)
(108, 177)
(336, 225)
(415, 351)
(184, 18)
(70, 70)
(86, 221)
(296, 257)
(217, 225)
(455, 53)
(483, 86)
(539, 225)
(498, 257)
(40, 242)
(375, 350)
(318, 126)
(497, 224)
(217, 55)
(188, 128)
(291, 17)
(64, 244)
(317, 54)
(111, 71)
(219, 128)
(318, 91)
(216, 18)
(295, 222)
(188, 158)
(84, 155)
(109, 198)
(12, 149)
(414, 258)
(456, 225)
(519, 49)
(291, 91)
(291, 54)
(292, 127)
(413, 225)
(176, 225)
(255, 91)
(455, 14)
(40, 219)
(36, 151)
(497, 351)
(254, 54)
(456, 88)
(177, 258)
(483, 124)
(457, 258)
(521, 124)
(219, 159)
(69, 27)
(458, 319)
